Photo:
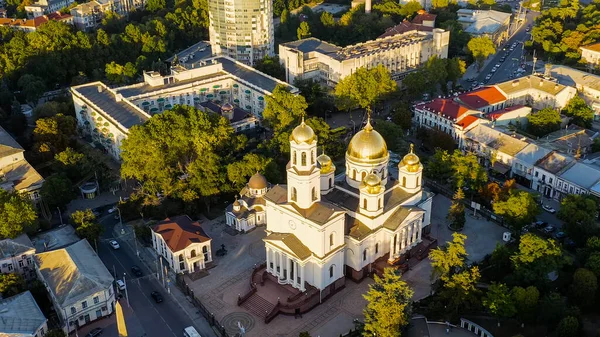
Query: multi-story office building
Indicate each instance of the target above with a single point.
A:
(401, 49)
(241, 29)
(89, 15)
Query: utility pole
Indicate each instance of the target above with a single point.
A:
(161, 273)
(126, 295)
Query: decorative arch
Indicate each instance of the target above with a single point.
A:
(193, 253)
(294, 194)
(303, 159)
(363, 175)
(294, 160)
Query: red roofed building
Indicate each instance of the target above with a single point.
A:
(424, 19)
(446, 115)
(183, 243)
(512, 114)
(30, 25)
(485, 99)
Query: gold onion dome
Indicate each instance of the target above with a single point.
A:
(367, 145)
(257, 181)
(373, 182)
(303, 133)
(324, 162)
(411, 161)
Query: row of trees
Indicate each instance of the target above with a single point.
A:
(549, 120)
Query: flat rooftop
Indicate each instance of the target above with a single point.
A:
(144, 88)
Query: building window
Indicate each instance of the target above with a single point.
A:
(365, 255)
(84, 304)
(331, 239)
(330, 182)
(303, 159)
(294, 158)
(205, 253)
(10, 267)
(354, 175)
(294, 194)
(418, 181)
(73, 310)
(96, 300)
(377, 248)
(379, 204)
(314, 194)
(312, 157)
(403, 181)
(331, 271)
(365, 203)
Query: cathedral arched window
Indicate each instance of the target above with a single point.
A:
(294, 194)
(314, 194)
(364, 174)
(365, 203)
(353, 174)
(331, 271)
(403, 181)
(379, 204)
(377, 248)
(294, 158)
(331, 239)
(193, 253)
(365, 255)
(303, 160)
(312, 157)
(330, 182)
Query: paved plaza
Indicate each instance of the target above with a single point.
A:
(230, 277)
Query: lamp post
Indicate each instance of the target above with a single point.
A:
(125, 283)
(120, 219)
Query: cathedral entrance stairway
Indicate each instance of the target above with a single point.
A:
(258, 305)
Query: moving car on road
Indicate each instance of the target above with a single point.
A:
(120, 284)
(114, 244)
(156, 296)
(95, 332)
(136, 271)
(549, 209)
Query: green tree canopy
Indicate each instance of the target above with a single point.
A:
(364, 88)
(57, 191)
(580, 214)
(580, 112)
(535, 258)
(281, 114)
(17, 214)
(446, 260)
(568, 327)
(526, 302)
(481, 47)
(53, 134)
(86, 225)
(543, 122)
(389, 305)
(303, 31)
(499, 301)
(456, 213)
(240, 171)
(12, 284)
(584, 287)
(270, 65)
(518, 210)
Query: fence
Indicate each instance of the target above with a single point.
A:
(210, 317)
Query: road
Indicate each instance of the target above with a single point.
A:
(513, 58)
(164, 319)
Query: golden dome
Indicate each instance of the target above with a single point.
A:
(324, 162)
(303, 133)
(367, 145)
(373, 183)
(257, 181)
(411, 161)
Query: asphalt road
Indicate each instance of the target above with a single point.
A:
(513, 58)
(164, 319)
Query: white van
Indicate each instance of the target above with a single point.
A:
(190, 331)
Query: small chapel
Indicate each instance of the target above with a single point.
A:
(321, 228)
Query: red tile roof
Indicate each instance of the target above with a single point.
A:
(481, 98)
(497, 113)
(467, 121)
(447, 107)
(35, 22)
(593, 47)
(418, 20)
(180, 232)
(403, 27)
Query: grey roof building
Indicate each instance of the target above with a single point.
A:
(16, 256)
(21, 317)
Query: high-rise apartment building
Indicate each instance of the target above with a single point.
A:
(241, 29)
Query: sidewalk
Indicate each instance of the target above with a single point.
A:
(149, 258)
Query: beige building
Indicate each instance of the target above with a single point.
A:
(591, 53)
(536, 92)
(400, 53)
(16, 174)
(241, 29)
(182, 243)
(490, 23)
(89, 15)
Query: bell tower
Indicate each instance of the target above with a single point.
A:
(303, 176)
(410, 172)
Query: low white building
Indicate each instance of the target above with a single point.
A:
(22, 317)
(16, 256)
(79, 285)
(537, 92)
(547, 170)
(107, 114)
(182, 243)
(591, 53)
(494, 146)
(515, 115)
(524, 162)
(587, 84)
(578, 178)
(446, 115)
(490, 23)
(248, 211)
(400, 51)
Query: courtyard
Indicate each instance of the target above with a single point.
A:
(230, 278)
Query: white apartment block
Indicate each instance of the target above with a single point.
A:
(107, 113)
(241, 29)
(42, 7)
(591, 53)
(88, 15)
(182, 243)
(22, 317)
(400, 53)
(79, 285)
(16, 256)
(537, 92)
(587, 84)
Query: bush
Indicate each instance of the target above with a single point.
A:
(568, 327)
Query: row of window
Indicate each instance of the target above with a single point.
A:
(84, 305)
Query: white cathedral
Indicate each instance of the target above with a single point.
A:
(319, 229)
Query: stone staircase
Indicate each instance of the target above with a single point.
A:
(258, 305)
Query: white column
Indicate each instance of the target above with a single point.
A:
(391, 258)
(289, 267)
(415, 231)
(268, 258)
(302, 278)
(419, 230)
(402, 239)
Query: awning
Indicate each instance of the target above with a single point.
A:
(203, 89)
(248, 91)
(500, 168)
(248, 107)
(167, 106)
(153, 109)
(160, 100)
(210, 95)
(196, 98)
(260, 98)
(216, 86)
(223, 93)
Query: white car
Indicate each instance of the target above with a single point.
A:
(120, 284)
(112, 209)
(549, 209)
(114, 244)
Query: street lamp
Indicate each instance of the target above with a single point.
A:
(120, 219)
(125, 283)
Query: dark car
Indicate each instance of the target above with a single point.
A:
(540, 224)
(560, 235)
(136, 271)
(156, 296)
(95, 332)
(97, 211)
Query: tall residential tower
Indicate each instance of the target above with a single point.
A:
(241, 29)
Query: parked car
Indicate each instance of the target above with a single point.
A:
(497, 65)
(540, 224)
(94, 332)
(136, 271)
(156, 296)
(120, 284)
(114, 244)
(549, 209)
(560, 235)
(112, 209)
(549, 229)
(97, 211)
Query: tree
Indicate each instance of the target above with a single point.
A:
(456, 213)
(86, 225)
(51, 109)
(410, 8)
(543, 122)
(593, 263)
(392, 134)
(55, 333)
(155, 5)
(568, 327)
(17, 214)
(456, 68)
(75, 164)
(33, 88)
(58, 191)
(282, 112)
(402, 115)
(53, 134)
(12, 284)
(552, 308)
(305, 333)
(584, 286)
(499, 301)
(439, 166)
(579, 111)
(364, 88)
(389, 305)
(460, 291)
(445, 260)
(467, 172)
(303, 31)
(240, 171)
(518, 210)
(481, 47)
(270, 65)
(526, 301)
(81, 217)
(536, 258)
(580, 213)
